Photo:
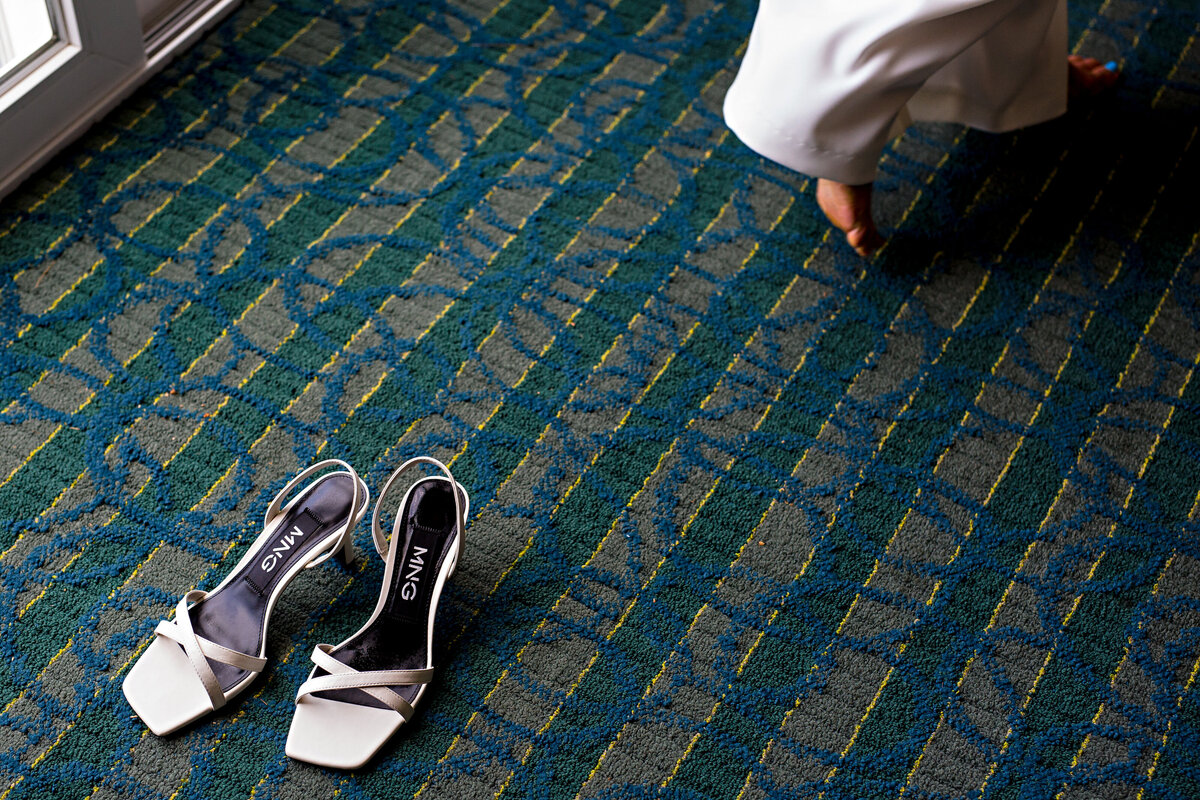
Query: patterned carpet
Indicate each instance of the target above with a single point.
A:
(751, 517)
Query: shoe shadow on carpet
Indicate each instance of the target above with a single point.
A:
(1068, 189)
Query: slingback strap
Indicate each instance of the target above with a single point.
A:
(345, 542)
(381, 541)
(374, 682)
(199, 650)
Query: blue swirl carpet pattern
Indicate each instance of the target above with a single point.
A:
(751, 518)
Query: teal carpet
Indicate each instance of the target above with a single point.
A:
(750, 517)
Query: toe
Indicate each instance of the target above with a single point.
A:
(864, 240)
(849, 209)
(1089, 77)
(1102, 77)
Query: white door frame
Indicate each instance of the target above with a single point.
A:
(100, 58)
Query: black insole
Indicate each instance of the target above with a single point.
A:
(396, 639)
(236, 615)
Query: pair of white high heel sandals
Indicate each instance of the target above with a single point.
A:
(360, 691)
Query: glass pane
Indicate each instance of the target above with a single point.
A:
(26, 27)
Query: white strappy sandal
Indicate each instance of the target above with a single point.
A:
(215, 646)
(362, 690)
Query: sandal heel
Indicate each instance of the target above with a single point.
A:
(350, 706)
(346, 553)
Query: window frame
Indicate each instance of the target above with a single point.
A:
(101, 56)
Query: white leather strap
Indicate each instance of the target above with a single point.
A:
(374, 682)
(381, 541)
(345, 542)
(199, 650)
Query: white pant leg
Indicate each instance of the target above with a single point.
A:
(824, 80)
(1014, 76)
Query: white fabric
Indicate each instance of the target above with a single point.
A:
(825, 83)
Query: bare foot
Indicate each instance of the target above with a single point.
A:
(849, 208)
(1087, 77)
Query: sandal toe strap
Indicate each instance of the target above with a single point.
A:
(200, 650)
(373, 682)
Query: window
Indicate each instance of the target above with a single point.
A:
(26, 29)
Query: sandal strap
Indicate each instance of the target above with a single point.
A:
(199, 650)
(345, 542)
(381, 541)
(373, 682)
